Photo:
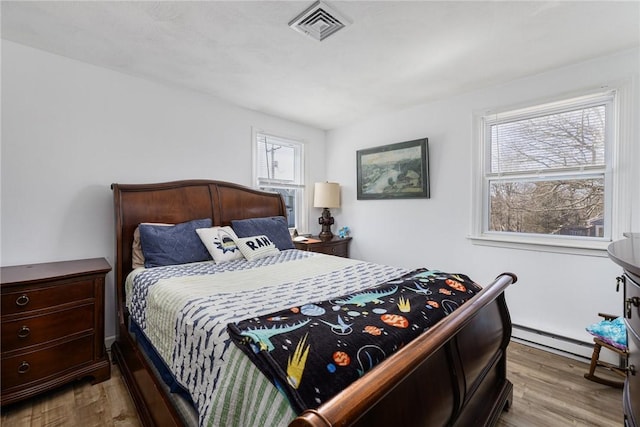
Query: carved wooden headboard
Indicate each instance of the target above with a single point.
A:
(180, 201)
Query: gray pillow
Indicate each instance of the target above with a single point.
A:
(274, 227)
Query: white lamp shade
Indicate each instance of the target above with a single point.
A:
(326, 195)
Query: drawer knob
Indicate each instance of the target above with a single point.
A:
(24, 332)
(635, 301)
(22, 300)
(24, 367)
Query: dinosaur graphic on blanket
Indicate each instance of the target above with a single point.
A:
(263, 334)
(334, 342)
(362, 298)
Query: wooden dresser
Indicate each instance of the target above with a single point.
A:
(52, 326)
(336, 246)
(626, 253)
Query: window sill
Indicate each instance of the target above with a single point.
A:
(563, 246)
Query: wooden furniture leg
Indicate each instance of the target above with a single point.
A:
(595, 360)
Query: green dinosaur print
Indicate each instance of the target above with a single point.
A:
(362, 298)
(263, 334)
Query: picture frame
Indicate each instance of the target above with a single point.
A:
(394, 171)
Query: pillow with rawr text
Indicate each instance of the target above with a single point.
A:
(256, 247)
(220, 242)
(274, 227)
(178, 244)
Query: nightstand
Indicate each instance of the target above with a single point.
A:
(52, 324)
(336, 246)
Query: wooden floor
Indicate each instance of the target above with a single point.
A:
(78, 404)
(549, 390)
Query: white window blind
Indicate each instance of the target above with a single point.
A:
(566, 140)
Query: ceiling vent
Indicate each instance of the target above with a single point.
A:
(319, 21)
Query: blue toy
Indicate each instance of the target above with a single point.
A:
(343, 232)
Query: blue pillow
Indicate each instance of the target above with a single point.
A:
(178, 244)
(274, 227)
(613, 332)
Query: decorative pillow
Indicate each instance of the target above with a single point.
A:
(137, 257)
(220, 242)
(179, 244)
(613, 332)
(274, 227)
(256, 247)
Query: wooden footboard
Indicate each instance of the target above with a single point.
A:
(454, 374)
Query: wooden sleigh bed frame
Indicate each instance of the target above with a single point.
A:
(453, 374)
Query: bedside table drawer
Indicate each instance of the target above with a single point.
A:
(337, 250)
(32, 366)
(45, 297)
(336, 246)
(28, 331)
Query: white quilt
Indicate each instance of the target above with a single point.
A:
(184, 310)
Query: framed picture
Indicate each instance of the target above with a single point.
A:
(394, 171)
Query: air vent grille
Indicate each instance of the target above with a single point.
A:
(319, 21)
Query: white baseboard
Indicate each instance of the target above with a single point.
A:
(568, 347)
(108, 341)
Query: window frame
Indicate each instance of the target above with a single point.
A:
(301, 210)
(617, 143)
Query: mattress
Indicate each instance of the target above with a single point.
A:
(183, 311)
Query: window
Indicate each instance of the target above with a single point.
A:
(278, 167)
(545, 173)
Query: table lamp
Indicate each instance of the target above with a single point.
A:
(326, 195)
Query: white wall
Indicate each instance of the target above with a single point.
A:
(556, 293)
(70, 129)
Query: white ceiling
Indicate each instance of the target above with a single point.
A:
(393, 55)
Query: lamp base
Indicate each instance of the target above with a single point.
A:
(325, 236)
(326, 220)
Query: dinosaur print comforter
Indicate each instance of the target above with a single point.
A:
(312, 351)
(184, 310)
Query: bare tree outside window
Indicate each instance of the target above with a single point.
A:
(546, 172)
(565, 207)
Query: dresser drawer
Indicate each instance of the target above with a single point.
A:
(632, 303)
(632, 386)
(32, 330)
(28, 299)
(36, 365)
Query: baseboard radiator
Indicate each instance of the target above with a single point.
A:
(565, 346)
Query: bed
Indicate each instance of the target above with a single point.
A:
(452, 374)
